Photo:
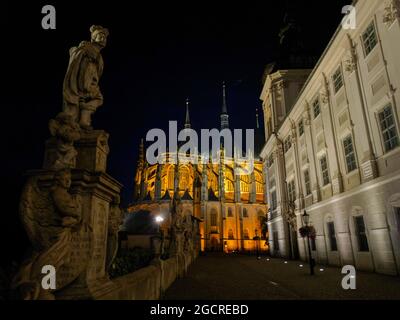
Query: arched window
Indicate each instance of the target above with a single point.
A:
(245, 214)
(183, 178)
(244, 183)
(228, 186)
(246, 234)
(259, 183)
(170, 177)
(230, 234)
(230, 212)
(213, 218)
(213, 182)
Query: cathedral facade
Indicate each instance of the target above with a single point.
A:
(231, 208)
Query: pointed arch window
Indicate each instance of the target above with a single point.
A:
(171, 177)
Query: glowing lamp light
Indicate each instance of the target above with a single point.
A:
(285, 261)
(321, 270)
(301, 266)
(159, 219)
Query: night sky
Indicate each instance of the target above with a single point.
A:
(158, 54)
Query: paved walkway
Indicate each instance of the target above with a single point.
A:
(230, 277)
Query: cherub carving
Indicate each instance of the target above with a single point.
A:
(66, 132)
(52, 218)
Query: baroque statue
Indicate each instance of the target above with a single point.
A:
(177, 229)
(59, 236)
(81, 89)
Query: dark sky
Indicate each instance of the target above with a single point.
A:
(158, 54)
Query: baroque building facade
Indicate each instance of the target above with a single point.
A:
(231, 207)
(332, 147)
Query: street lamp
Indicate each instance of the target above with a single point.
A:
(306, 220)
(257, 244)
(159, 219)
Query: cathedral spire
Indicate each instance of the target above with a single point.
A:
(187, 118)
(224, 112)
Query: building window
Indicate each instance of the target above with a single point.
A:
(213, 219)
(230, 234)
(274, 203)
(369, 39)
(332, 236)
(228, 185)
(291, 191)
(337, 80)
(388, 128)
(316, 108)
(349, 154)
(259, 187)
(307, 182)
(361, 233)
(246, 234)
(276, 240)
(230, 213)
(171, 176)
(259, 183)
(324, 169)
(301, 127)
(288, 144)
(245, 214)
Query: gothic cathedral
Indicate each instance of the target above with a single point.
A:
(230, 208)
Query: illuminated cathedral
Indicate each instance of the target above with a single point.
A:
(231, 208)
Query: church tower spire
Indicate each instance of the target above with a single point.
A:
(224, 112)
(187, 118)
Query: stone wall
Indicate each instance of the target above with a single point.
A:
(148, 283)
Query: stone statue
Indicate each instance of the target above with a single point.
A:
(177, 229)
(66, 131)
(81, 89)
(53, 221)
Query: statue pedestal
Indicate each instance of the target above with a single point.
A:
(92, 151)
(97, 192)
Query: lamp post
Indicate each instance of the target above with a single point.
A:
(257, 243)
(306, 220)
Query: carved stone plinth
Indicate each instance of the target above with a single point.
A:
(98, 193)
(92, 151)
